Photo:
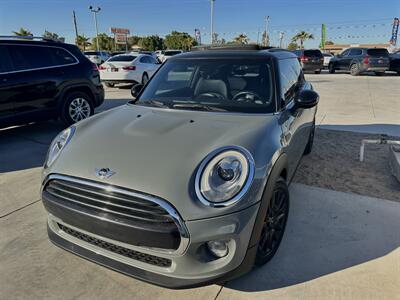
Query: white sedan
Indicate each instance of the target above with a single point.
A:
(327, 59)
(128, 68)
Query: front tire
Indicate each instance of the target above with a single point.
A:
(331, 68)
(274, 223)
(77, 106)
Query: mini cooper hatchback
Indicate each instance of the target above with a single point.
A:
(188, 183)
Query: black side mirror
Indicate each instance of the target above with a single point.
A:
(136, 89)
(307, 99)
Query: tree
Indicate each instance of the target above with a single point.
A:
(82, 42)
(179, 40)
(133, 40)
(292, 46)
(302, 36)
(151, 43)
(241, 39)
(329, 43)
(53, 36)
(23, 32)
(105, 42)
(265, 39)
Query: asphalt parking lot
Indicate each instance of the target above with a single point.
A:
(337, 246)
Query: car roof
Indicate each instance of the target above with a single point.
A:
(236, 52)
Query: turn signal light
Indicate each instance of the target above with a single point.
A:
(101, 67)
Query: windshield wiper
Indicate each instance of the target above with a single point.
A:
(154, 103)
(197, 106)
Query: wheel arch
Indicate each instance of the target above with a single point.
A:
(75, 88)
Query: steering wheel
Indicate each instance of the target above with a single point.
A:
(246, 96)
(211, 95)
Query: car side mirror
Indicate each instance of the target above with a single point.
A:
(307, 99)
(136, 89)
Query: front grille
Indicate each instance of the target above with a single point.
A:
(109, 204)
(129, 253)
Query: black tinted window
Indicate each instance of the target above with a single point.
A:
(377, 52)
(355, 51)
(91, 53)
(122, 58)
(5, 60)
(145, 59)
(62, 57)
(171, 53)
(312, 53)
(290, 74)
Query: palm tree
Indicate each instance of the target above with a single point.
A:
(241, 39)
(302, 36)
(23, 32)
(82, 42)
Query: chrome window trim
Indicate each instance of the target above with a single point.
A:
(184, 233)
(242, 192)
(42, 68)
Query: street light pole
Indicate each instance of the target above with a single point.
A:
(266, 31)
(95, 11)
(212, 21)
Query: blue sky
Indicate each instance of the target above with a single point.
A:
(348, 21)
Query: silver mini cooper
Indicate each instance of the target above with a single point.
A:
(187, 184)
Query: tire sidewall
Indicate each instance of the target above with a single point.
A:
(331, 68)
(354, 69)
(65, 116)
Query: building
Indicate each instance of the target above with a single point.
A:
(337, 48)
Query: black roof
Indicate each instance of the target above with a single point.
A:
(235, 51)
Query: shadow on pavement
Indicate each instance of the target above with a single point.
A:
(327, 232)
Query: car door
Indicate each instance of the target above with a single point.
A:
(35, 80)
(296, 123)
(344, 60)
(6, 96)
(354, 55)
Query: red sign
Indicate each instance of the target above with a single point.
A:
(121, 38)
(119, 30)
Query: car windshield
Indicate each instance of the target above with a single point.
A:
(378, 52)
(238, 85)
(122, 58)
(312, 53)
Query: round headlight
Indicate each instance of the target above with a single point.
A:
(58, 144)
(224, 176)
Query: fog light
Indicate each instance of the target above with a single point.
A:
(218, 248)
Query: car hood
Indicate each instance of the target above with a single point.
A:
(157, 151)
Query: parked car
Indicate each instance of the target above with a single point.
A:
(151, 53)
(43, 79)
(188, 183)
(97, 57)
(327, 59)
(159, 54)
(117, 53)
(168, 54)
(395, 62)
(128, 68)
(359, 60)
(310, 59)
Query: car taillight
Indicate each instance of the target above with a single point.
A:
(366, 60)
(129, 68)
(101, 67)
(303, 58)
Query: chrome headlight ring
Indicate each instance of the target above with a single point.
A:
(224, 176)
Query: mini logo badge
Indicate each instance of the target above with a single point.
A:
(104, 173)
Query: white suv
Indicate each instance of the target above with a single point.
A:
(97, 57)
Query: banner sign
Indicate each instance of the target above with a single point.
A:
(395, 31)
(121, 39)
(116, 30)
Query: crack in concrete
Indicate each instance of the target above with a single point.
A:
(20, 208)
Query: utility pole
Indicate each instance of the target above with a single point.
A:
(212, 21)
(281, 35)
(75, 26)
(266, 31)
(95, 11)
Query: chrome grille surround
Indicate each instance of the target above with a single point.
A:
(172, 213)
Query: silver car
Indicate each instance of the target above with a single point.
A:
(188, 183)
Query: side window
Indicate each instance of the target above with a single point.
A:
(354, 52)
(5, 60)
(291, 76)
(61, 57)
(346, 52)
(30, 57)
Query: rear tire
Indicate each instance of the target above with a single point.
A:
(77, 106)
(398, 73)
(354, 70)
(331, 68)
(274, 223)
(379, 73)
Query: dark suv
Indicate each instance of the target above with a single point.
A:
(359, 60)
(45, 79)
(310, 60)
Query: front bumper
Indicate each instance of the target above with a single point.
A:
(195, 267)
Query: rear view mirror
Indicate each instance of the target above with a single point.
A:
(136, 89)
(307, 99)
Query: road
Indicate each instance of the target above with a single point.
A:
(337, 245)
